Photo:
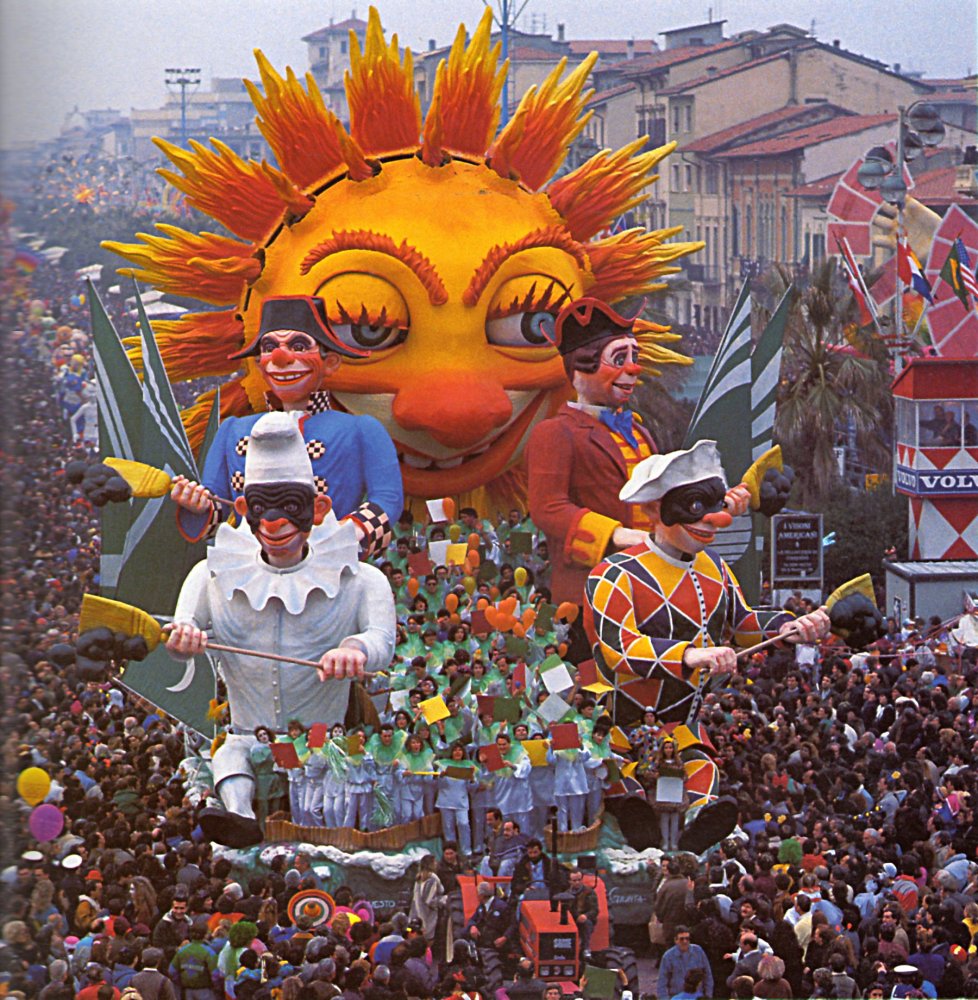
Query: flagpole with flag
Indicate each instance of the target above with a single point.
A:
(858, 287)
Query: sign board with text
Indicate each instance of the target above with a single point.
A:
(796, 550)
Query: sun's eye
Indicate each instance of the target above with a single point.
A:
(365, 312)
(523, 311)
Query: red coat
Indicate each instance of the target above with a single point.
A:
(576, 471)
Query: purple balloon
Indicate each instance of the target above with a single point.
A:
(46, 822)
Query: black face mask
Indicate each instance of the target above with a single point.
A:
(687, 504)
(272, 501)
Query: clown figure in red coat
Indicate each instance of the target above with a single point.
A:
(580, 458)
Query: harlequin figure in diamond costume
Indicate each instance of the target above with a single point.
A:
(580, 459)
(664, 615)
(352, 457)
(286, 580)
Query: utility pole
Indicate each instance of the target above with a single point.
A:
(506, 14)
(182, 78)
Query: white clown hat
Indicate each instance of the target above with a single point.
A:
(277, 453)
(656, 475)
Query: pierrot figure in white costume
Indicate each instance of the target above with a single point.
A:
(287, 580)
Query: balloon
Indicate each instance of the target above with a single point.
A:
(474, 540)
(492, 616)
(473, 558)
(518, 630)
(451, 602)
(494, 592)
(519, 575)
(448, 506)
(33, 785)
(455, 619)
(455, 532)
(528, 617)
(568, 612)
(482, 604)
(46, 822)
(508, 606)
(562, 650)
(469, 583)
(412, 586)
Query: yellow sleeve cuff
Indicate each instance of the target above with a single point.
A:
(589, 539)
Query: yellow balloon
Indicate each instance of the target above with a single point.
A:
(519, 575)
(469, 583)
(455, 532)
(33, 785)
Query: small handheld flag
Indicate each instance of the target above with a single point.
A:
(910, 271)
(867, 308)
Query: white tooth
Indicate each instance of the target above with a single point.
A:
(450, 463)
(416, 461)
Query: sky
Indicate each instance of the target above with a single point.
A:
(56, 54)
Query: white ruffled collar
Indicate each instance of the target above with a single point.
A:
(236, 565)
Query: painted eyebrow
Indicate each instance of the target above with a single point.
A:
(365, 239)
(551, 236)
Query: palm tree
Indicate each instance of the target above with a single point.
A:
(829, 384)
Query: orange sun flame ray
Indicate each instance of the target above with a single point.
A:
(465, 100)
(173, 264)
(533, 145)
(630, 262)
(609, 184)
(308, 140)
(248, 198)
(194, 342)
(385, 110)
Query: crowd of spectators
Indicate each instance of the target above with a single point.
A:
(852, 871)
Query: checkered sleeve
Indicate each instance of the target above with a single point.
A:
(376, 526)
(624, 648)
(748, 626)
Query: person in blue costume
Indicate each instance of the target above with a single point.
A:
(352, 456)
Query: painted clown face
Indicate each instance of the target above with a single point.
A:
(450, 305)
(617, 375)
(688, 517)
(293, 365)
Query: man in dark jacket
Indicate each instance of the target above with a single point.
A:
(583, 909)
(491, 925)
(671, 899)
(150, 982)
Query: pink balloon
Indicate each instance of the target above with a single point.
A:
(46, 822)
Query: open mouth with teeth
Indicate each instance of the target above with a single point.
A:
(427, 476)
(285, 378)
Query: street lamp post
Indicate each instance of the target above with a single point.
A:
(183, 78)
(919, 126)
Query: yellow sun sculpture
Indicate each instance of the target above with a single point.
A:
(435, 245)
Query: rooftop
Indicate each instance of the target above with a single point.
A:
(728, 136)
(341, 27)
(936, 187)
(605, 95)
(721, 74)
(811, 135)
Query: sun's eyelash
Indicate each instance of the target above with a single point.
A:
(365, 317)
(548, 300)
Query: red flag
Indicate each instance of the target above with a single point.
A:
(866, 307)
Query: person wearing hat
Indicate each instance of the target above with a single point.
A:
(287, 580)
(579, 459)
(352, 456)
(666, 612)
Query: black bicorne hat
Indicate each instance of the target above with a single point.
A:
(586, 320)
(305, 313)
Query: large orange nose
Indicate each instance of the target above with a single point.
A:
(282, 356)
(632, 369)
(457, 410)
(718, 519)
(277, 525)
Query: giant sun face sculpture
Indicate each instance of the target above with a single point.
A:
(434, 246)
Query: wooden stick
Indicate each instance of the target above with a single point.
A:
(255, 652)
(769, 642)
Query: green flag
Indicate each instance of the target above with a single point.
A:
(723, 414)
(951, 274)
(144, 558)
